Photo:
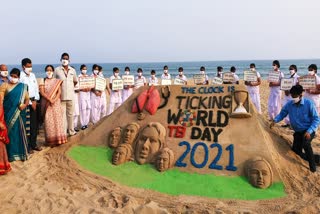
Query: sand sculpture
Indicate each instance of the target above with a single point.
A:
(259, 173)
(165, 160)
(122, 154)
(115, 137)
(130, 133)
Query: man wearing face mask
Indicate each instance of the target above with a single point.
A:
(253, 88)
(3, 74)
(153, 80)
(166, 74)
(181, 76)
(314, 94)
(69, 77)
(140, 80)
(115, 95)
(219, 71)
(127, 89)
(304, 121)
(28, 78)
(206, 78)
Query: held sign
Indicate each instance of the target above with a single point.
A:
(286, 84)
(117, 84)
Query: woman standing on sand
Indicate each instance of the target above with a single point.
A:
(15, 101)
(50, 91)
(4, 139)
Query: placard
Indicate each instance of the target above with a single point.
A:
(100, 84)
(138, 83)
(286, 84)
(228, 77)
(199, 78)
(250, 76)
(117, 84)
(128, 79)
(166, 82)
(217, 80)
(178, 81)
(274, 76)
(308, 82)
(86, 82)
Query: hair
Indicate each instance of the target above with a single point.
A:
(296, 90)
(202, 68)
(139, 70)
(128, 149)
(25, 61)
(252, 65)
(153, 72)
(64, 54)
(127, 68)
(161, 131)
(15, 71)
(276, 62)
(82, 66)
(233, 69)
(49, 66)
(165, 67)
(94, 66)
(180, 69)
(313, 67)
(115, 69)
(219, 68)
(99, 68)
(294, 67)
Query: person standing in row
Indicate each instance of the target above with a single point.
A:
(50, 90)
(182, 76)
(69, 79)
(274, 102)
(166, 74)
(314, 94)
(96, 100)
(219, 71)
(253, 89)
(206, 78)
(3, 74)
(153, 80)
(103, 95)
(27, 77)
(76, 108)
(127, 89)
(235, 76)
(115, 95)
(140, 80)
(84, 100)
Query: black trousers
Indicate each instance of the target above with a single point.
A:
(299, 143)
(32, 140)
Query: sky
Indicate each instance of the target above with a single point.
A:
(104, 31)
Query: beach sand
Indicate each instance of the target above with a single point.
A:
(50, 182)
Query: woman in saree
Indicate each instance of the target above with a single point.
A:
(51, 113)
(4, 139)
(15, 101)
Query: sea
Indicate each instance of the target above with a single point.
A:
(190, 68)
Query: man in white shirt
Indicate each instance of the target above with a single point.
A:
(181, 76)
(28, 78)
(115, 95)
(166, 74)
(69, 77)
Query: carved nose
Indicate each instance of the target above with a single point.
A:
(146, 144)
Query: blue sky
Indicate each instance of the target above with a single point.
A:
(157, 31)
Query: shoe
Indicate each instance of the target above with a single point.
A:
(72, 134)
(37, 148)
(76, 130)
(83, 127)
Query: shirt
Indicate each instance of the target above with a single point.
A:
(153, 81)
(183, 77)
(303, 116)
(164, 76)
(68, 78)
(31, 81)
(254, 89)
(115, 96)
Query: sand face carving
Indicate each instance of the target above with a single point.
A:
(130, 133)
(115, 137)
(165, 160)
(122, 154)
(259, 173)
(150, 141)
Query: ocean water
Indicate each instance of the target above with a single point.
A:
(190, 68)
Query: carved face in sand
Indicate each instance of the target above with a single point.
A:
(165, 160)
(122, 154)
(115, 137)
(260, 174)
(130, 133)
(151, 140)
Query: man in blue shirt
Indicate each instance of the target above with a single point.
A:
(304, 120)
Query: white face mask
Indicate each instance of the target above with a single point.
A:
(165, 71)
(127, 72)
(296, 99)
(116, 74)
(219, 72)
(311, 73)
(95, 72)
(49, 74)
(65, 62)
(139, 74)
(28, 70)
(4, 73)
(201, 72)
(84, 71)
(180, 73)
(275, 68)
(14, 80)
(153, 76)
(292, 72)
(252, 69)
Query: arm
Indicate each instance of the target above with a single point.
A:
(57, 95)
(43, 94)
(283, 113)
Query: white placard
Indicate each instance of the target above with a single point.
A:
(117, 84)
(128, 79)
(199, 78)
(228, 77)
(100, 84)
(86, 82)
(138, 83)
(178, 81)
(286, 84)
(308, 82)
(166, 82)
(250, 76)
(217, 80)
(274, 76)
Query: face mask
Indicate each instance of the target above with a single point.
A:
(95, 72)
(14, 80)
(49, 74)
(275, 68)
(201, 72)
(116, 74)
(219, 72)
(311, 73)
(84, 71)
(126, 72)
(296, 99)
(153, 76)
(180, 73)
(139, 74)
(65, 62)
(28, 70)
(4, 73)
(252, 69)
(165, 71)
(292, 72)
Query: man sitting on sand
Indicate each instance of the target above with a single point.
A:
(304, 120)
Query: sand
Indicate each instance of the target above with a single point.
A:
(50, 182)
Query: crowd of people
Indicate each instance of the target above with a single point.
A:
(63, 108)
